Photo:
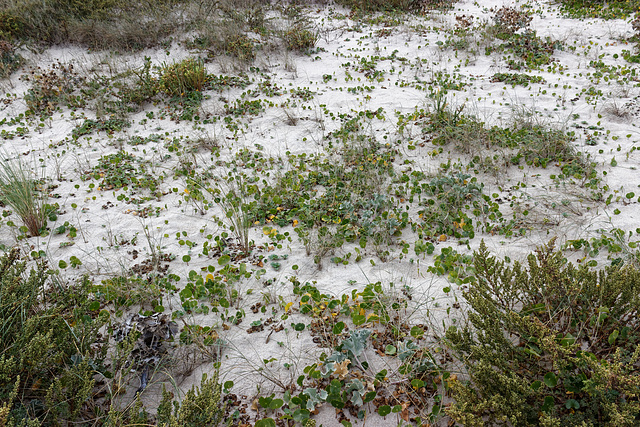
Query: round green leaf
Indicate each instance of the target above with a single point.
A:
(224, 260)
(276, 403)
(338, 328)
(548, 404)
(384, 410)
(572, 404)
(550, 379)
(266, 422)
(417, 332)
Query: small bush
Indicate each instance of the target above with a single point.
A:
(48, 346)
(201, 406)
(548, 344)
(52, 87)
(298, 37)
(241, 46)
(509, 20)
(182, 77)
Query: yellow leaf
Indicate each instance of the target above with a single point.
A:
(442, 238)
(287, 307)
(210, 277)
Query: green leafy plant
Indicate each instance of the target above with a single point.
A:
(617, 9)
(516, 79)
(119, 170)
(394, 5)
(109, 126)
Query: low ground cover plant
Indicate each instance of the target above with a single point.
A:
(310, 176)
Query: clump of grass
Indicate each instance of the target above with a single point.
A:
(18, 190)
(533, 143)
(226, 36)
(182, 77)
(299, 37)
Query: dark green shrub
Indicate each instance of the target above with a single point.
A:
(48, 350)
(548, 344)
